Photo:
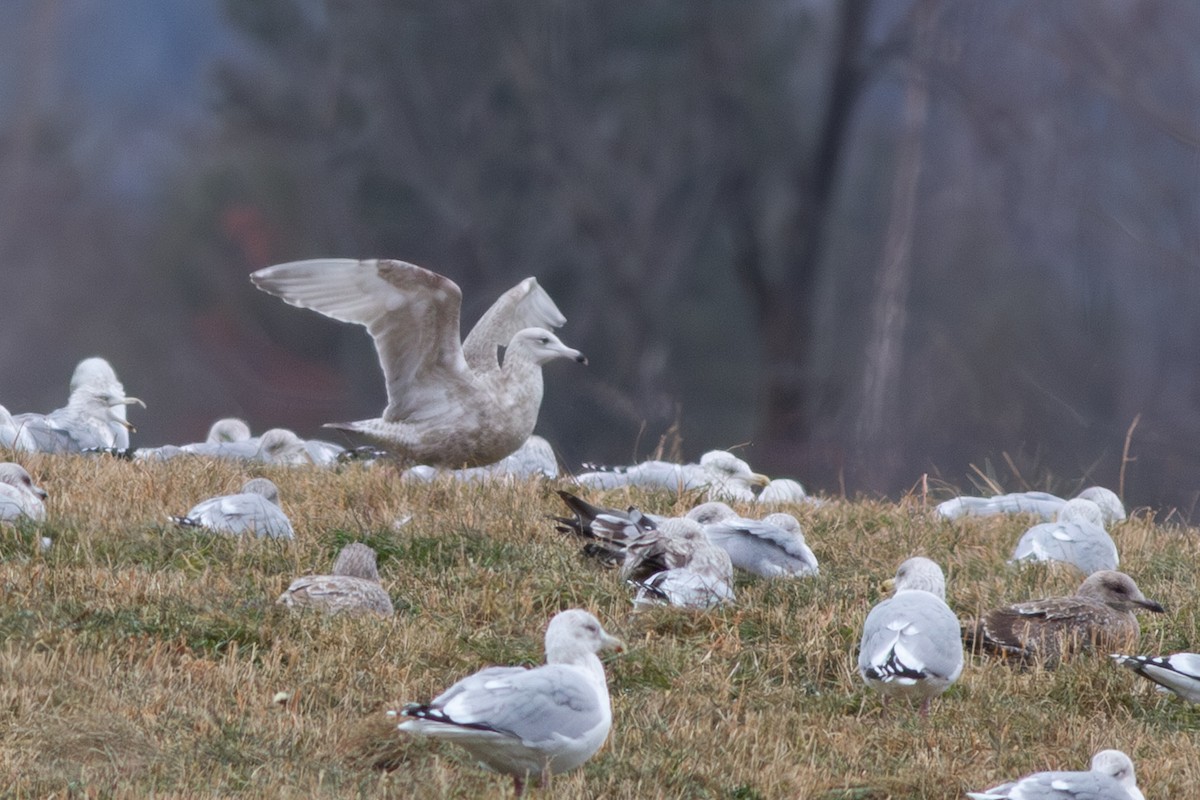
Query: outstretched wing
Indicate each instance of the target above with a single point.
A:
(526, 305)
(410, 312)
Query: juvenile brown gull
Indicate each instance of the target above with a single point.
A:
(771, 547)
(352, 586)
(20, 498)
(1110, 778)
(1076, 537)
(255, 510)
(1098, 616)
(910, 642)
(441, 410)
(721, 473)
(529, 722)
(1178, 672)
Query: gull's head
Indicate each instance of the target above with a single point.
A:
(708, 513)
(263, 487)
(281, 446)
(357, 560)
(918, 573)
(726, 466)
(1110, 505)
(1117, 766)
(229, 429)
(1117, 590)
(1081, 511)
(574, 633)
(16, 476)
(541, 346)
(785, 522)
(95, 371)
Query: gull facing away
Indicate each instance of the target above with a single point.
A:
(677, 565)
(20, 498)
(255, 509)
(529, 722)
(1077, 537)
(1098, 616)
(724, 475)
(352, 586)
(1178, 672)
(1111, 777)
(1042, 504)
(771, 547)
(910, 643)
(443, 409)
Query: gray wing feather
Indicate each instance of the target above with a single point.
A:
(533, 705)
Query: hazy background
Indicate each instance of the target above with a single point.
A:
(868, 240)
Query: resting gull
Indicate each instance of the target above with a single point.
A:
(20, 498)
(89, 420)
(1110, 778)
(1178, 672)
(228, 429)
(608, 530)
(784, 490)
(910, 643)
(442, 410)
(529, 722)
(771, 547)
(1099, 615)
(13, 435)
(97, 372)
(1077, 537)
(352, 586)
(677, 565)
(1041, 504)
(721, 473)
(533, 459)
(255, 509)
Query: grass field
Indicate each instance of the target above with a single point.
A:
(139, 659)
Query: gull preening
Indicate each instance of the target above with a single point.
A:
(352, 586)
(910, 642)
(1178, 673)
(1077, 537)
(771, 547)
(1098, 616)
(20, 497)
(1111, 777)
(529, 723)
(254, 510)
(450, 404)
(677, 565)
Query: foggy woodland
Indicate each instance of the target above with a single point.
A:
(863, 241)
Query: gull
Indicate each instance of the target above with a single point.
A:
(89, 420)
(1178, 672)
(13, 435)
(20, 498)
(255, 509)
(529, 722)
(771, 547)
(1077, 537)
(721, 473)
(1041, 504)
(784, 490)
(352, 585)
(1110, 778)
(533, 459)
(608, 530)
(228, 429)
(675, 564)
(442, 409)
(98, 373)
(910, 642)
(1099, 615)
(276, 446)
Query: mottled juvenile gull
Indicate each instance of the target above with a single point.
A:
(353, 586)
(98, 373)
(533, 459)
(20, 498)
(1041, 504)
(771, 547)
(441, 411)
(529, 722)
(255, 509)
(910, 643)
(677, 565)
(1098, 616)
(1178, 672)
(1077, 537)
(724, 475)
(1110, 778)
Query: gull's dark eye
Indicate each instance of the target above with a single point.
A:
(544, 340)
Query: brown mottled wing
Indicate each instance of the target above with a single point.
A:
(334, 593)
(410, 312)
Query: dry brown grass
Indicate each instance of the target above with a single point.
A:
(139, 659)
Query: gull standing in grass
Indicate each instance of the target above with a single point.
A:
(910, 643)
(771, 547)
(20, 498)
(449, 404)
(1098, 616)
(1178, 672)
(1110, 778)
(1076, 537)
(352, 586)
(721, 473)
(529, 722)
(255, 509)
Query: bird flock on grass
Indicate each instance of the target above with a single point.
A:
(466, 410)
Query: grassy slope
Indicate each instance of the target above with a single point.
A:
(138, 658)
